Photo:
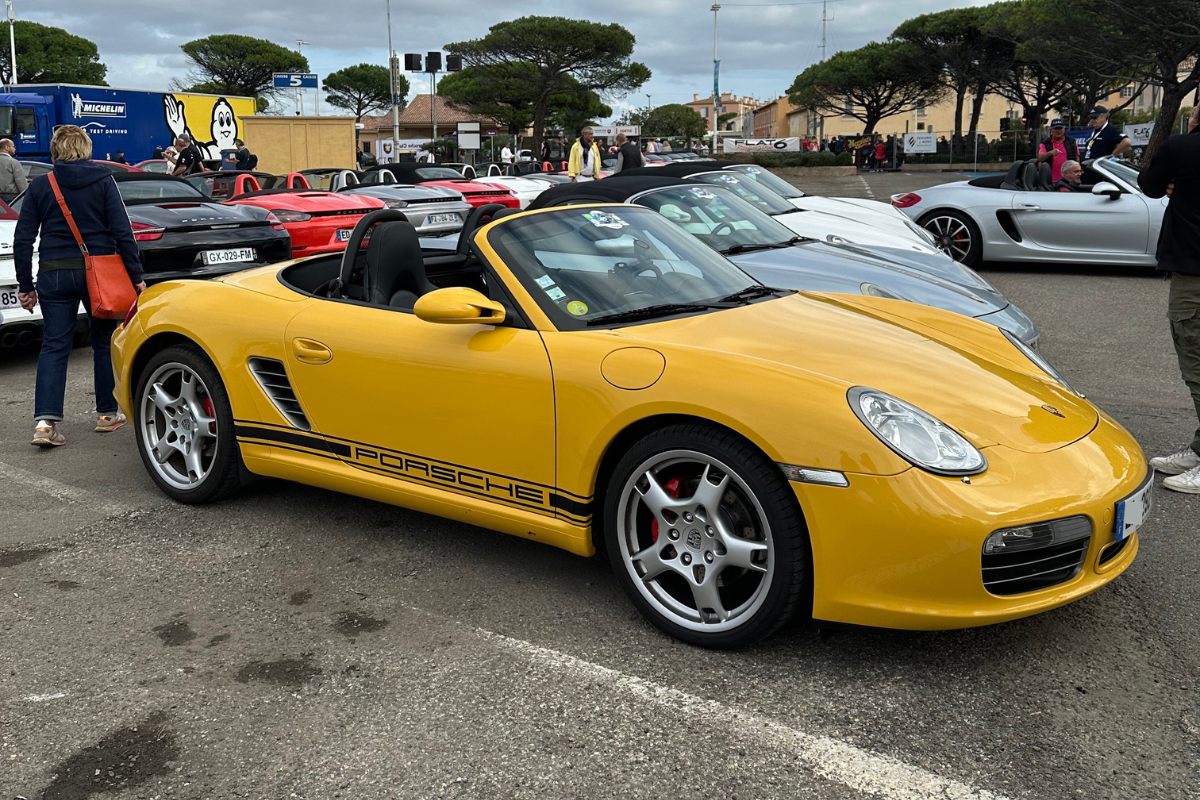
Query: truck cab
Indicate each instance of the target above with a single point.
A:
(27, 119)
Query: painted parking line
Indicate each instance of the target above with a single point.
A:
(59, 490)
(832, 759)
(867, 187)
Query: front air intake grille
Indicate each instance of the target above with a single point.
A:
(1113, 550)
(1032, 557)
(272, 377)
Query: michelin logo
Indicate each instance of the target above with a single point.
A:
(96, 108)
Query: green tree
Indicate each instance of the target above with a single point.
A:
(50, 55)
(726, 117)
(230, 64)
(574, 112)
(362, 89)
(675, 119)
(540, 58)
(494, 100)
(876, 81)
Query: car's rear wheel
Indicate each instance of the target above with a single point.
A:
(956, 234)
(706, 537)
(184, 426)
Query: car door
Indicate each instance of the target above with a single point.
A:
(1082, 222)
(466, 408)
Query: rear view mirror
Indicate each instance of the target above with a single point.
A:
(458, 305)
(1109, 190)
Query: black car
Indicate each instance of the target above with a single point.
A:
(182, 234)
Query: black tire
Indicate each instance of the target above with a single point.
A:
(222, 477)
(947, 228)
(778, 594)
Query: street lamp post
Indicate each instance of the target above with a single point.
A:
(300, 92)
(716, 73)
(394, 68)
(12, 45)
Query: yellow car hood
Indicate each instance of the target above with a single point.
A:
(961, 371)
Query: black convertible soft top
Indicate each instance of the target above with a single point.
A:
(606, 190)
(675, 169)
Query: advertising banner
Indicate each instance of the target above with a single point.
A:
(915, 143)
(609, 131)
(1139, 133)
(790, 144)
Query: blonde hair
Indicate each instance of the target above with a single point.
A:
(70, 143)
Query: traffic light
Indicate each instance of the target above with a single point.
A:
(453, 63)
(1004, 123)
(433, 61)
(412, 62)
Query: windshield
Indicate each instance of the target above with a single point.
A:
(438, 174)
(581, 263)
(157, 190)
(768, 179)
(1123, 170)
(6, 122)
(750, 191)
(716, 216)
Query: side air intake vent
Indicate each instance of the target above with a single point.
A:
(273, 379)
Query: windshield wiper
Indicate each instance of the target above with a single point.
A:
(752, 291)
(660, 310)
(746, 248)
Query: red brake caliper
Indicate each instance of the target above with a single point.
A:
(210, 411)
(672, 487)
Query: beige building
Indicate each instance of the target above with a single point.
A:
(416, 122)
(732, 105)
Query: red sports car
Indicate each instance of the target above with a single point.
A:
(415, 172)
(318, 221)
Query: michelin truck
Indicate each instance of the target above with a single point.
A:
(129, 120)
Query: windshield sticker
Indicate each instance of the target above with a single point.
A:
(555, 293)
(752, 170)
(725, 178)
(545, 281)
(577, 307)
(603, 220)
(703, 194)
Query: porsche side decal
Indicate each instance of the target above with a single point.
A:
(407, 466)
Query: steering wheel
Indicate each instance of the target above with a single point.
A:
(630, 270)
(351, 253)
(712, 234)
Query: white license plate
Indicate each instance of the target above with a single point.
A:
(441, 219)
(1134, 510)
(8, 297)
(343, 234)
(228, 256)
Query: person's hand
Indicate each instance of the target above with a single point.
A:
(140, 287)
(1057, 152)
(1170, 188)
(28, 300)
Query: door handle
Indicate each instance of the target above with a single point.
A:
(309, 351)
(1029, 207)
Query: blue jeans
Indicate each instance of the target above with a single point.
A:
(60, 291)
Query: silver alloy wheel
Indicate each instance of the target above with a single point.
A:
(711, 566)
(177, 429)
(951, 235)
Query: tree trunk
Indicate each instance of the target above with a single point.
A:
(1168, 114)
(959, 100)
(981, 90)
(870, 120)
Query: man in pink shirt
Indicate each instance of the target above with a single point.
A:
(1059, 148)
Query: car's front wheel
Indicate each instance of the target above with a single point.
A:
(706, 537)
(184, 426)
(957, 235)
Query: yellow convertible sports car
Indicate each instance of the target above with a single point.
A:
(594, 378)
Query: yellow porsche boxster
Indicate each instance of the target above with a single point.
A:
(593, 378)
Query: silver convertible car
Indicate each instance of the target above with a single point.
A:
(775, 255)
(1019, 216)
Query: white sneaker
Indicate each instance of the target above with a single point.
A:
(1187, 482)
(1176, 463)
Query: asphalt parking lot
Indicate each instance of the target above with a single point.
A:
(296, 643)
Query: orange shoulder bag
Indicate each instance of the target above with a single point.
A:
(110, 290)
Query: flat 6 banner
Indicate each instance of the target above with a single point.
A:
(788, 145)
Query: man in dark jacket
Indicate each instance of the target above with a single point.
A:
(629, 156)
(1175, 171)
(242, 157)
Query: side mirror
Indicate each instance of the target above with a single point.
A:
(1110, 190)
(458, 305)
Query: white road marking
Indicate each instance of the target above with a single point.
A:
(866, 186)
(833, 759)
(58, 489)
(41, 698)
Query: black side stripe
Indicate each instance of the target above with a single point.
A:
(292, 437)
(570, 505)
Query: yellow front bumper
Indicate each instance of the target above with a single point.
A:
(904, 551)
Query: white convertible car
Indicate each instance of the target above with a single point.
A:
(17, 326)
(1019, 217)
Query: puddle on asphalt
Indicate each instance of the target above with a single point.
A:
(66, 586)
(216, 640)
(174, 634)
(124, 759)
(285, 672)
(351, 623)
(11, 558)
(300, 598)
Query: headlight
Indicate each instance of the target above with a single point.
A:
(1037, 359)
(915, 436)
(875, 290)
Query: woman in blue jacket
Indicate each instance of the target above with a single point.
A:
(91, 195)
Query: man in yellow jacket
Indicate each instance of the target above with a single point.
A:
(584, 164)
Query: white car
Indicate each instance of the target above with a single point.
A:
(17, 326)
(525, 189)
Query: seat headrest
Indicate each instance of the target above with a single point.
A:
(394, 262)
(1029, 177)
(505, 212)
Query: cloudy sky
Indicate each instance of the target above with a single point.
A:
(762, 44)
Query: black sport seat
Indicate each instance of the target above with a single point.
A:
(478, 216)
(1013, 179)
(1029, 176)
(505, 212)
(1044, 175)
(395, 272)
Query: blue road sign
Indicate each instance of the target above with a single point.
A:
(295, 80)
